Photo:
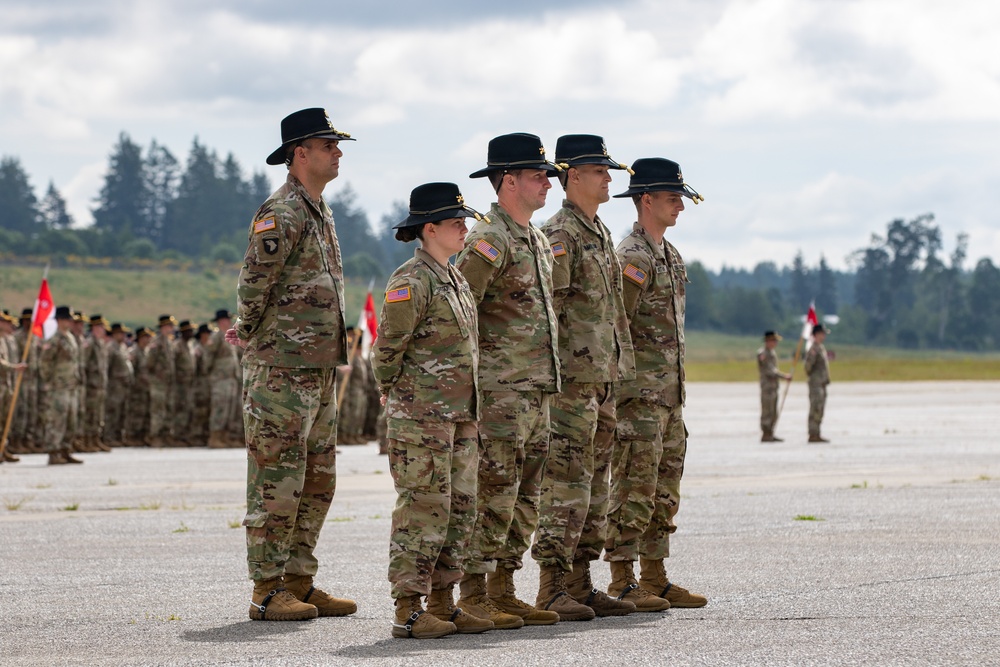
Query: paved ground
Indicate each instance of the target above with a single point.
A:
(136, 558)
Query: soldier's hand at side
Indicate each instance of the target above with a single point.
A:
(381, 400)
(233, 339)
(345, 369)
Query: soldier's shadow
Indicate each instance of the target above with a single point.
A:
(245, 631)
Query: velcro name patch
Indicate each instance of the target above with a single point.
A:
(635, 274)
(486, 250)
(263, 225)
(397, 295)
(558, 249)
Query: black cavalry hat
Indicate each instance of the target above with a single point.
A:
(819, 328)
(222, 313)
(118, 327)
(203, 329)
(772, 335)
(167, 319)
(574, 149)
(515, 151)
(26, 314)
(63, 313)
(431, 202)
(305, 124)
(657, 174)
(99, 321)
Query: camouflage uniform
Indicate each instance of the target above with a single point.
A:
(119, 391)
(291, 313)
(221, 366)
(137, 415)
(96, 381)
(818, 370)
(648, 457)
(351, 421)
(767, 366)
(373, 407)
(519, 369)
(8, 359)
(25, 429)
(425, 360)
(160, 361)
(201, 395)
(595, 351)
(183, 389)
(61, 378)
(79, 412)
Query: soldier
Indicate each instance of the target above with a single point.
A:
(202, 388)
(356, 400)
(373, 407)
(346, 410)
(137, 422)
(183, 380)
(767, 366)
(595, 351)
(25, 431)
(509, 268)
(119, 386)
(10, 364)
(95, 373)
(425, 359)
(61, 377)
(291, 322)
(818, 371)
(160, 366)
(78, 416)
(221, 367)
(648, 457)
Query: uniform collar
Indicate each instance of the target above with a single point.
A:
(515, 229)
(659, 249)
(441, 271)
(595, 225)
(320, 206)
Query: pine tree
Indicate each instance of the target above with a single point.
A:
(123, 202)
(18, 204)
(52, 210)
(826, 288)
(160, 174)
(193, 216)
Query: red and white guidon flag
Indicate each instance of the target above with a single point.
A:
(43, 323)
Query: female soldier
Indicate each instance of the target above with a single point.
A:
(425, 361)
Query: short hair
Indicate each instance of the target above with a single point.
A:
(637, 200)
(496, 177)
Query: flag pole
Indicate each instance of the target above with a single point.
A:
(20, 376)
(795, 360)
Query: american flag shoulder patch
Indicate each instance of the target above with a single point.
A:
(263, 225)
(558, 249)
(635, 274)
(486, 250)
(398, 294)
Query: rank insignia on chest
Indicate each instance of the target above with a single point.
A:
(486, 250)
(397, 295)
(635, 274)
(263, 225)
(558, 249)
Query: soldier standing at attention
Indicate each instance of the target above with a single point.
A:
(426, 355)
(767, 365)
(78, 329)
(201, 388)
(818, 371)
(221, 365)
(651, 443)
(508, 265)
(137, 420)
(10, 364)
(95, 368)
(160, 366)
(183, 389)
(290, 319)
(119, 386)
(26, 413)
(61, 378)
(595, 351)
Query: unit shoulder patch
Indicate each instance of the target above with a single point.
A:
(635, 274)
(484, 248)
(558, 249)
(263, 225)
(398, 294)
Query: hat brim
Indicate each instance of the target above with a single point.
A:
(601, 160)
(278, 155)
(547, 167)
(415, 220)
(683, 190)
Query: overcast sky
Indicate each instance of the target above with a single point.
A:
(806, 124)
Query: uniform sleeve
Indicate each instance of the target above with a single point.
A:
(483, 258)
(563, 256)
(635, 281)
(402, 310)
(810, 362)
(272, 237)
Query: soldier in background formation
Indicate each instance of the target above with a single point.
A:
(59, 371)
(767, 365)
(10, 364)
(818, 371)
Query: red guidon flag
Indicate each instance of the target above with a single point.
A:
(368, 323)
(807, 327)
(43, 323)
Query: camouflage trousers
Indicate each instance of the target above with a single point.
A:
(60, 415)
(225, 398)
(183, 406)
(76, 427)
(26, 411)
(646, 468)
(433, 466)
(513, 448)
(159, 409)
(94, 415)
(817, 405)
(137, 415)
(768, 406)
(291, 424)
(115, 409)
(201, 397)
(573, 509)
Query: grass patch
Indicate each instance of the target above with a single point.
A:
(15, 504)
(807, 517)
(42, 486)
(181, 529)
(235, 523)
(112, 481)
(341, 519)
(150, 506)
(72, 507)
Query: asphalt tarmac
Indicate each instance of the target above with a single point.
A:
(880, 548)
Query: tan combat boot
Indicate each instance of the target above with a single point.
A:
(653, 578)
(9, 458)
(552, 596)
(474, 600)
(271, 602)
(217, 440)
(623, 586)
(817, 438)
(580, 587)
(102, 446)
(770, 437)
(412, 622)
(500, 588)
(441, 604)
(67, 455)
(301, 586)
